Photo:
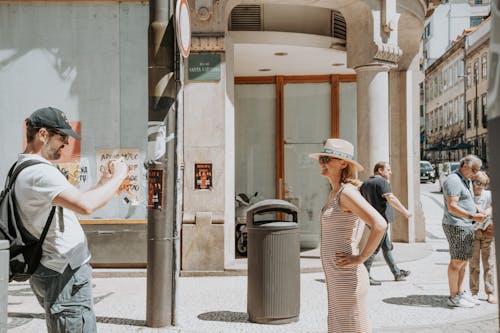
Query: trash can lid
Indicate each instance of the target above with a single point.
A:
(277, 225)
(4, 244)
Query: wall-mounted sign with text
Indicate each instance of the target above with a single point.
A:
(202, 176)
(155, 188)
(204, 67)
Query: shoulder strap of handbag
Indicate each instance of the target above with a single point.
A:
(12, 176)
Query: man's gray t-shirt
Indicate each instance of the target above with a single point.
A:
(456, 185)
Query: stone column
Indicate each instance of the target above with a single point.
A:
(405, 152)
(373, 116)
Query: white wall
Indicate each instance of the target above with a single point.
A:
(87, 58)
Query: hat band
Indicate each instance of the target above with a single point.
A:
(337, 153)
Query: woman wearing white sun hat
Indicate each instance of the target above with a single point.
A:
(346, 276)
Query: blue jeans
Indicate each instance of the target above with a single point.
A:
(66, 298)
(386, 246)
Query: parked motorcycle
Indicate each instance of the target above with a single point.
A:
(242, 203)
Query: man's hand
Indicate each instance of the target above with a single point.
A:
(479, 217)
(408, 214)
(118, 168)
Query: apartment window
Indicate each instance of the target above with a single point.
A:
(435, 84)
(475, 20)
(461, 107)
(426, 91)
(468, 77)
(476, 70)
(484, 110)
(427, 31)
(454, 75)
(445, 79)
(484, 65)
(469, 114)
(440, 83)
(440, 118)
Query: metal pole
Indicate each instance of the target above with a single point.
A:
(161, 165)
(476, 120)
(4, 283)
(494, 119)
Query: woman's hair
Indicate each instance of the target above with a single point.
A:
(482, 177)
(348, 175)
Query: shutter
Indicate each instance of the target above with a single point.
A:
(246, 18)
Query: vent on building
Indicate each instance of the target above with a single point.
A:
(246, 18)
(338, 25)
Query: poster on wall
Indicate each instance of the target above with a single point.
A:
(202, 176)
(155, 188)
(71, 171)
(130, 187)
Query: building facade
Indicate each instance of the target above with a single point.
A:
(264, 85)
(477, 60)
(445, 106)
(455, 99)
(448, 22)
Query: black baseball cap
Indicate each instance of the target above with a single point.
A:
(51, 117)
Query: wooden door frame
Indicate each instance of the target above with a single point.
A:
(279, 81)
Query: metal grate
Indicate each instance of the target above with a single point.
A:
(338, 25)
(246, 18)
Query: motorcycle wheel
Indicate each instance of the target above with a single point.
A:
(241, 243)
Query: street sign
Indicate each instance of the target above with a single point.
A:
(204, 67)
(183, 25)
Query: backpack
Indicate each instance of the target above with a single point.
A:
(25, 250)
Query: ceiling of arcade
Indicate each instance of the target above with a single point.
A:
(307, 37)
(271, 39)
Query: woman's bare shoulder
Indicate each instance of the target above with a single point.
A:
(350, 190)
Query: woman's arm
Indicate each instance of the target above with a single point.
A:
(351, 200)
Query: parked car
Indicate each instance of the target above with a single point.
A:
(427, 173)
(445, 169)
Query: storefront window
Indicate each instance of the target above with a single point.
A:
(255, 133)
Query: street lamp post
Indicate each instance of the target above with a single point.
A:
(476, 120)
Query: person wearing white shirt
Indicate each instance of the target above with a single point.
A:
(483, 245)
(62, 281)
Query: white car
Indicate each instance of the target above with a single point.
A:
(444, 170)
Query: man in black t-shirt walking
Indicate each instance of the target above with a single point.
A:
(377, 191)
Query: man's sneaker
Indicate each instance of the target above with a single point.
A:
(459, 302)
(402, 275)
(374, 282)
(469, 298)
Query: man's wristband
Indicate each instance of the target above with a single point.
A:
(470, 217)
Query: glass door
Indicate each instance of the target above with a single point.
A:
(255, 154)
(307, 123)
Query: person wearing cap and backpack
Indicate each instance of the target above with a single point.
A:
(377, 190)
(62, 281)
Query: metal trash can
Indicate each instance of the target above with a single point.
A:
(273, 293)
(4, 283)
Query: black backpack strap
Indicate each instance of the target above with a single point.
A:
(16, 169)
(47, 224)
(12, 176)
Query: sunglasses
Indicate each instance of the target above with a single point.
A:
(326, 159)
(64, 136)
(474, 170)
(478, 183)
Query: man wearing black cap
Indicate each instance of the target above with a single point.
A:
(62, 282)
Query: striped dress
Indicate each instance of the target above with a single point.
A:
(347, 287)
